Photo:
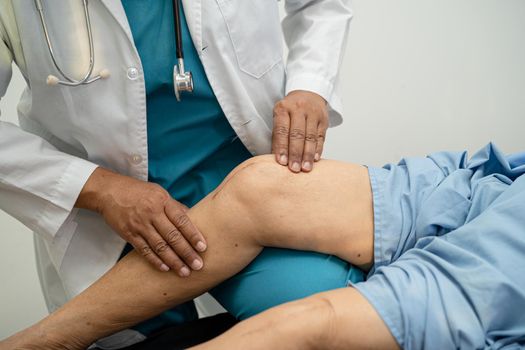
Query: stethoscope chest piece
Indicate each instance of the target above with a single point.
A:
(182, 80)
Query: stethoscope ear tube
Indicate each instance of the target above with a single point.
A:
(182, 80)
(88, 78)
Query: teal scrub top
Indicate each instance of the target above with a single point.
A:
(191, 145)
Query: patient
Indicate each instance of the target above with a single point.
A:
(443, 240)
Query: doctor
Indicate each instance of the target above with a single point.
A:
(100, 168)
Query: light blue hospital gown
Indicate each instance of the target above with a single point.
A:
(450, 250)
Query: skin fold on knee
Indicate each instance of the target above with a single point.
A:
(251, 190)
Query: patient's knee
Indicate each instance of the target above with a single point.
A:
(255, 182)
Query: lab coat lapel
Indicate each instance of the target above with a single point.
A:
(117, 11)
(193, 13)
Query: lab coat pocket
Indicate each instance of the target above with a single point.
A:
(255, 32)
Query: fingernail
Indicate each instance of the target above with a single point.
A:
(201, 246)
(283, 159)
(317, 156)
(185, 272)
(164, 267)
(196, 264)
(296, 167)
(307, 166)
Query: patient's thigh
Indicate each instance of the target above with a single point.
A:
(281, 275)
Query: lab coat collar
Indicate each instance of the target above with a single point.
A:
(192, 11)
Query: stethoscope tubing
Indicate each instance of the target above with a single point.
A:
(183, 81)
(178, 30)
(69, 81)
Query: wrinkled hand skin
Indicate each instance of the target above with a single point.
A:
(299, 130)
(145, 215)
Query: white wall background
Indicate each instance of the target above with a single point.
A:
(419, 76)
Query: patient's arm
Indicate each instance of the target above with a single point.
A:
(260, 204)
(341, 319)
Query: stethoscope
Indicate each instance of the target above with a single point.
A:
(182, 80)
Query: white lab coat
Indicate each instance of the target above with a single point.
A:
(65, 133)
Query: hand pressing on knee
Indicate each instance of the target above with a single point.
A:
(300, 124)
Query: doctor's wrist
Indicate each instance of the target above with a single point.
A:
(91, 196)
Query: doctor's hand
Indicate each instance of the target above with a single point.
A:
(300, 121)
(146, 216)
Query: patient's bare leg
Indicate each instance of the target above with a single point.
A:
(260, 204)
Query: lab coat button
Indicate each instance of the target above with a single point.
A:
(135, 159)
(133, 73)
